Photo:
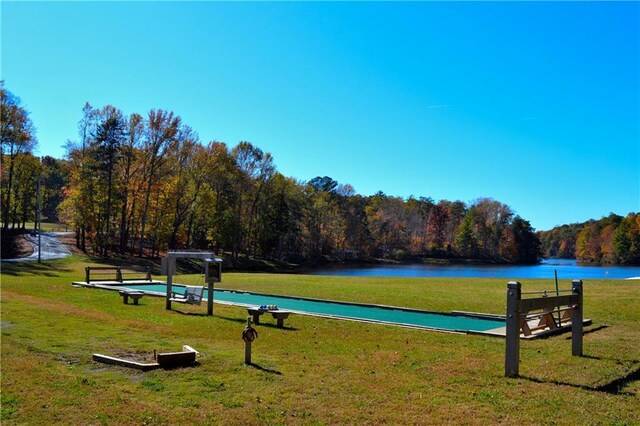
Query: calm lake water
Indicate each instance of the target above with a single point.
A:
(567, 270)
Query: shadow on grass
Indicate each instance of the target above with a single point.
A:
(549, 334)
(181, 367)
(238, 320)
(591, 330)
(47, 269)
(268, 325)
(260, 324)
(191, 314)
(606, 358)
(614, 387)
(266, 370)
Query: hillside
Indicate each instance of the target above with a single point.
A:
(613, 239)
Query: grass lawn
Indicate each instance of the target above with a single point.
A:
(315, 371)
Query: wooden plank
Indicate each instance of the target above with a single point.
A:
(193, 255)
(176, 358)
(124, 362)
(103, 268)
(526, 330)
(548, 320)
(527, 305)
(187, 348)
(514, 323)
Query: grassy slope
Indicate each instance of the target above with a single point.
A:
(316, 371)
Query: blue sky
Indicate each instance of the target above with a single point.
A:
(534, 104)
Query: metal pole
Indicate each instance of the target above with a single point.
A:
(247, 353)
(210, 298)
(170, 264)
(555, 272)
(249, 334)
(576, 320)
(512, 353)
(38, 219)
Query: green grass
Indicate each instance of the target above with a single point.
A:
(316, 371)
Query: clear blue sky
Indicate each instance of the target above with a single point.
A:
(534, 104)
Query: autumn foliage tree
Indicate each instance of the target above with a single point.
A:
(19, 170)
(612, 239)
(140, 185)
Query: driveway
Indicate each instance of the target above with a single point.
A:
(52, 248)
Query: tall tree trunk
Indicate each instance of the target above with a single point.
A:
(190, 229)
(7, 203)
(108, 224)
(123, 224)
(144, 218)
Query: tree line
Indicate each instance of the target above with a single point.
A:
(20, 170)
(139, 185)
(612, 239)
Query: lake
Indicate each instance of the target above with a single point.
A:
(567, 270)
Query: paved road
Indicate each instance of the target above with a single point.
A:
(52, 248)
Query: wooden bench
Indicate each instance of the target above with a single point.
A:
(135, 295)
(279, 315)
(114, 273)
(192, 295)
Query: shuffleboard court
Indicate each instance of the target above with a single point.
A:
(453, 322)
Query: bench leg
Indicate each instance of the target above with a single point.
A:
(256, 319)
(135, 300)
(125, 299)
(280, 322)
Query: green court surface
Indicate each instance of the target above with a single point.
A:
(341, 310)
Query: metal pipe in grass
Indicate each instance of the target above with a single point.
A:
(249, 334)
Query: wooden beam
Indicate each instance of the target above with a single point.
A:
(124, 362)
(172, 359)
(193, 255)
(546, 303)
(512, 353)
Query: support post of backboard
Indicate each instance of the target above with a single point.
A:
(512, 355)
(210, 298)
(169, 283)
(212, 272)
(576, 320)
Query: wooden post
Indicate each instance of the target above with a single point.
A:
(512, 353)
(247, 345)
(210, 298)
(576, 320)
(87, 271)
(38, 212)
(212, 274)
(169, 282)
